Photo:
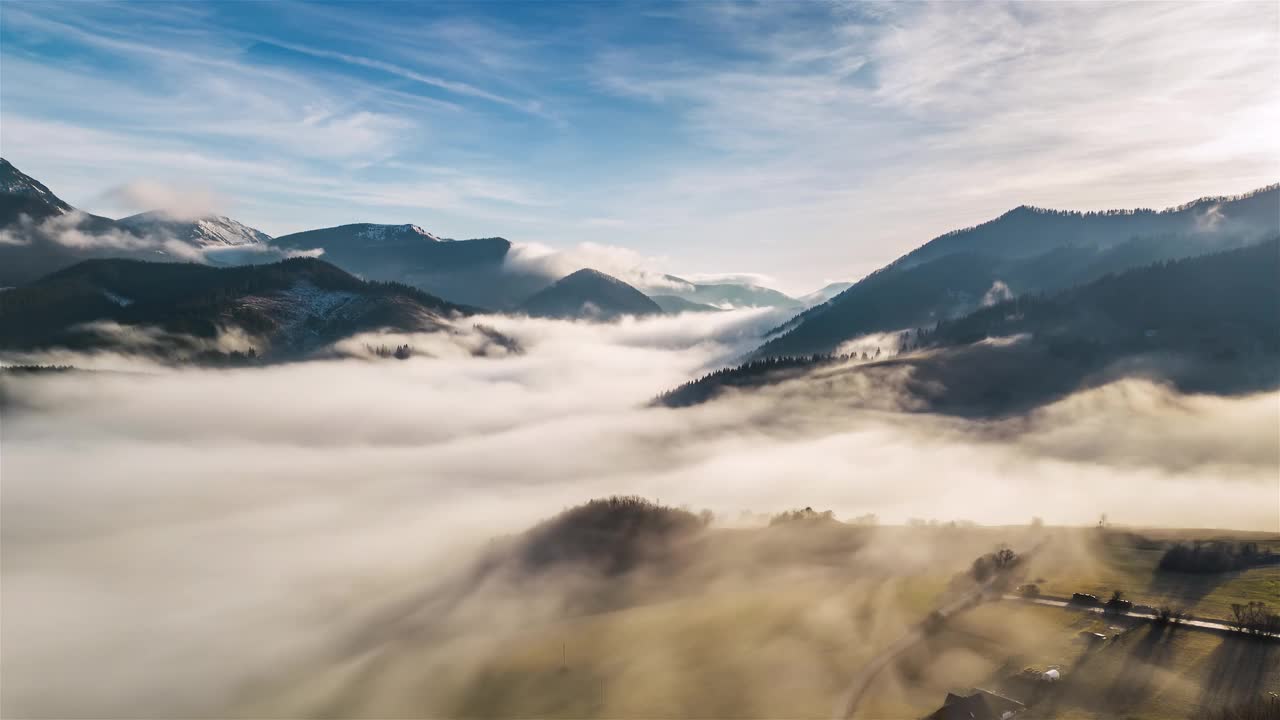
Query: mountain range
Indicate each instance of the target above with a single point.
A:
(40, 233)
(281, 310)
(1207, 324)
(726, 295)
(1026, 250)
(943, 289)
(475, 272)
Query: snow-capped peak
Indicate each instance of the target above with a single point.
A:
(222, 230)
(380, 233)
(208, 231)
(15, 182)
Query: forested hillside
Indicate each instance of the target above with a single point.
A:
(1206, 324)
(1027, 250)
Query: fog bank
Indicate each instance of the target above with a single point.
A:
(171, 535)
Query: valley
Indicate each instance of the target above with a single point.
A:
(639, 360)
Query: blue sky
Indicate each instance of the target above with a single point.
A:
(806, 142)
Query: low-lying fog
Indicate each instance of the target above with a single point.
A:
(171, 534)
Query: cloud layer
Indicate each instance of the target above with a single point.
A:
(202, 509)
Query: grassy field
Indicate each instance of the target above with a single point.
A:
(1127, 562)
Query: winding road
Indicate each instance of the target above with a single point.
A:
(848, 703)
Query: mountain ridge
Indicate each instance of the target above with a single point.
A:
(207, 231)
(290, 308)
(1205, 324)
(1023, 250)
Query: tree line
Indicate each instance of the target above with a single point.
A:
(1216, 557)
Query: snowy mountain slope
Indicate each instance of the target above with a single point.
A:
(211, 231)
(30, 192)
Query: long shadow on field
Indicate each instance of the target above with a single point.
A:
(1114, 678)
(1238, 670)
(1132, 685)
(1187, 589)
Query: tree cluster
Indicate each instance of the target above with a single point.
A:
(33, 369)
(1216, 557)
(612, 535)
(1255, 618)
(747, 374)
(805, 515)
(399, 352)
(993, 563)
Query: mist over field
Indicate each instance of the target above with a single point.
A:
(173, 536)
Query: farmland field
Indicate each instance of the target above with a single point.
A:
(1128, 562)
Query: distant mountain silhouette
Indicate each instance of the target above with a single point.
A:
(725, 295)
(674, 304)
(1026, 250)
(1206, 324)
(470, 271)
(825, 293)
(589, 294)
(288, 308)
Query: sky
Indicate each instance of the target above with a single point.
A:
(802, 142)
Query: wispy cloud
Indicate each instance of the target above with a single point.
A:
(532, 107)
(876, 132)
(808, 140)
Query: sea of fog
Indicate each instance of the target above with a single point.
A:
(169, 534)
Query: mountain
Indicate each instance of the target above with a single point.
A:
(22, 194)
(470, 271)
(674, 305)
(211, 231)
(589, 294)
(1026, 250)
(823, 294)
(361, 237)
(1206, 324)
(285, 309)
(1224, 304)
(725, 295)
(40, 232)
